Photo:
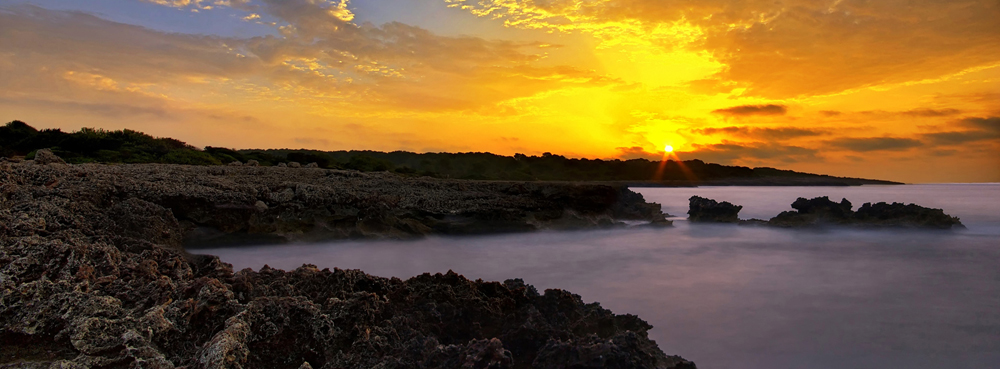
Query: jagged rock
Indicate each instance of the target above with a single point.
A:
(236, 164)
(252, 163)
(899, 215)
(92, 277)
(46, 157)
(594, 352)
(293, 164)
(230, 205)
(820, 211)
(282, 165)
(702, 210)
(312, 165)
(816, 211)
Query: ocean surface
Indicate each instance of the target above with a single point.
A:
(731, 297)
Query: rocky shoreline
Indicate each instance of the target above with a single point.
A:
(232, 204)
(94, 273)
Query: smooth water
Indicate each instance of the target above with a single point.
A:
(731, 297)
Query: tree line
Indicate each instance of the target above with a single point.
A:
(89, 145)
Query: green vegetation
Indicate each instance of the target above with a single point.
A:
(125, 146)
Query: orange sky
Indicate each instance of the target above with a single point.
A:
(892, 89)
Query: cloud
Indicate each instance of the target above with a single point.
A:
(729, 152)
(323, 60)
(110, 110)
(988, 124)
(782, 49)
(931, 112)
(980, 129)
(199, 4)
(746, 110)
(956, 137)
(636, 152)
(875, 143)
(778, 134)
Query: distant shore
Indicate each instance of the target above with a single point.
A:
(818, 181)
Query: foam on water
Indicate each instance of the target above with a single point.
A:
(746, 297)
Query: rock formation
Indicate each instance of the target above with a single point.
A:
(221, 204)
(821, 211)
(817, 211)
(45, 157)
(93, 275)
(702, 210)
(905, 215)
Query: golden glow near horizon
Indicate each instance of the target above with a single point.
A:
(895, 89)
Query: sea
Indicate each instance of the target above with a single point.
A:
(735, 297)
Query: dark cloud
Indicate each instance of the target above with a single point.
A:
(636, 152)
(989, 124)
(729, 152)
(875, 143)
(981, 129)
(931, 112)
(956, 137)
(779, 133)
(830, 113)
(744, 110)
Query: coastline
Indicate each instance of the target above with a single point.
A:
(96, 273)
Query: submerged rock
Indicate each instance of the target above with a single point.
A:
(702, 210)
(94, 276)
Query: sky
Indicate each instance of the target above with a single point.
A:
(905, 90)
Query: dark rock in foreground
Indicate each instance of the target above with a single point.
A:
(93, 276)
(821, 211)
(710, 211)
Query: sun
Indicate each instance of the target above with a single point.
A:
(668, 148)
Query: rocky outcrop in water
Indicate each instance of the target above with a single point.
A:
(702, 210)
(821, 211)
(905, 215)
(92, 274)
(815, 211)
